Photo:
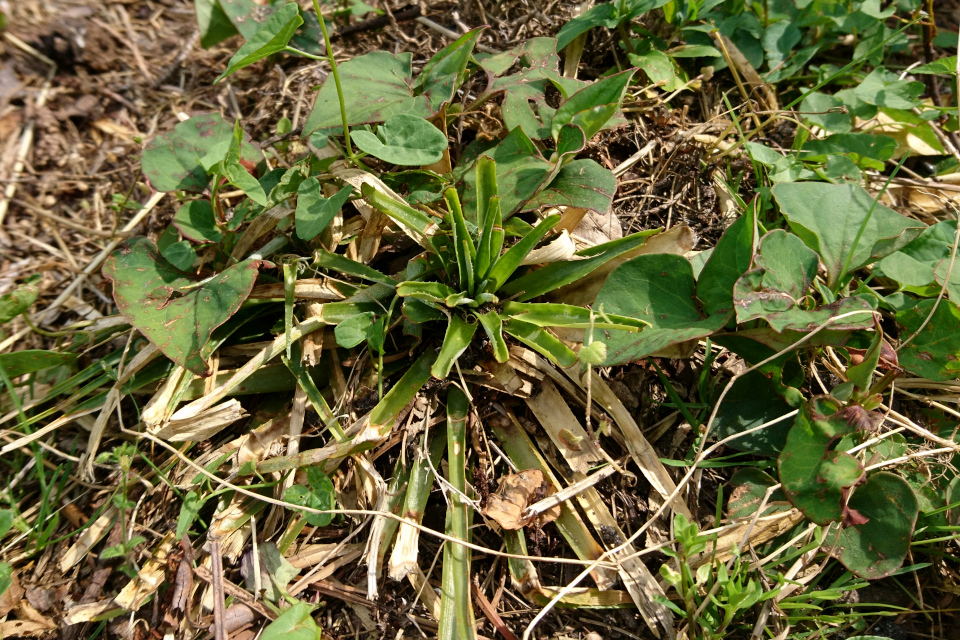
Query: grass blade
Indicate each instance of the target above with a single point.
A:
(455, 342)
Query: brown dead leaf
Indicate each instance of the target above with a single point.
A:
(10, 598)
(516, 492)
(23, 629)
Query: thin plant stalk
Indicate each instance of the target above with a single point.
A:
(456, 556)
(336, 77)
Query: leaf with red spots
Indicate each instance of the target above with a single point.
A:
(172, 311)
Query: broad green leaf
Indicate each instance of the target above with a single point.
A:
(276, 572)
(172, 160)
(566, 315)
(867, 150)
(493, 326)
(319, 495)
(827, 217)
(594, 105)
(583, 184)
(418, 311)
(815, 479)
(601, 15)
(949, 278)
(342, 264)
(826, 111)
(180, 254)
(748, 487)
(215, 26)
(376, 86)
(195, 220)
(6, 577)
(272, 37)
(661, 70)
(934, 353)
(455, 342)
(521, 171)
(524, 100)
(239, 177)
(779, 41)
(542, 341)
(657, 289)
(878, 547)
(18, 363)
(504, 267)
(295, 623)
(753, 400)
(404, 140)
(404, 391)
(914, 264)
(944, 66)
(144, 285)
(354, 330)
(445, 71)
(557, 274)
(729, 260)
(15, 302)
(775, 289)
(314, 212)
(885, 89)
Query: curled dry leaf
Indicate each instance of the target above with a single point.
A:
(516, 492)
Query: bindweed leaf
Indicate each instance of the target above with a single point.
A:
(195, 220)
(272, 37)
(295, 623)
(314, 212)
(594, 105)
(145, 287)
(19, 300)
(403, 140)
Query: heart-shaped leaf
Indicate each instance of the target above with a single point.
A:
(828, 218)
(172, 160)
(375, 86)
(404, 140)
(877, 547)
(144, 284)
(272, 37)
(659, 290)
(195, 220)
(314, 212)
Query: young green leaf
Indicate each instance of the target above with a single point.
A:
(397, 210)
(314, 212)
(493, 326)
(504, 266)
(272, 37)
(355, 330)
(196, 221)
(542, 341)
(342, 264)
(295, 623)
(15, 302)
(462, 241)
(566, 315)
(404, 140)
(455, 342)
(594, 105)
(404, 391)
(435, 292)
(557, 274)
(491, 240)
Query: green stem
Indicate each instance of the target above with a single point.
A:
(459, 511)
(336, 76)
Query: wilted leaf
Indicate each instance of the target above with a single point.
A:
(516, 492)
(144, 285)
